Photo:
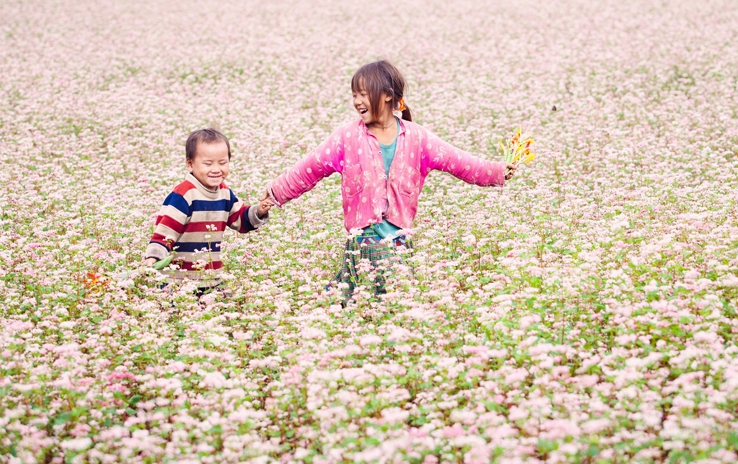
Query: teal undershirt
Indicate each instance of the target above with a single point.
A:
(386, 229)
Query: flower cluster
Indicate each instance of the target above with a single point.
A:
(517, 149)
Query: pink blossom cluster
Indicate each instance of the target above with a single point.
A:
(586, 312)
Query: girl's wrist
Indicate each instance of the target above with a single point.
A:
(271, 195)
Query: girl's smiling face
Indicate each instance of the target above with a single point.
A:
(362, 103)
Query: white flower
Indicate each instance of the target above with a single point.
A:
(78, 444)
(394, 415)
(313, 334)
(214, 380)
(370, 340)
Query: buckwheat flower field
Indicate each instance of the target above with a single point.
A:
(586, 312)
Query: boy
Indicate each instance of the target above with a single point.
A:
(192, 220)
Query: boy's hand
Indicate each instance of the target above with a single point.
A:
(264, 206)
(148, 262)
(510, 171)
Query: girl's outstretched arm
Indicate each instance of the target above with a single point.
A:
(306, 173)
(437, 154)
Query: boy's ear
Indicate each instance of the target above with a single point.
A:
(188, 163)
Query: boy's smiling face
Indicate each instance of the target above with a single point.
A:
(211, 164)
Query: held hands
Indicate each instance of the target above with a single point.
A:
(265, 204)
(510, 170)
(266, 195)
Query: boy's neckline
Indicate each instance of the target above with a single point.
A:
(193, 180)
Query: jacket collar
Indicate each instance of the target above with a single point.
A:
(364, 127)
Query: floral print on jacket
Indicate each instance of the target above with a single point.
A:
(368, 193)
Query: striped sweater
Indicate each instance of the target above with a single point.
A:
(191, 223)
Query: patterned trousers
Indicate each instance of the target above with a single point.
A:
(370, 261)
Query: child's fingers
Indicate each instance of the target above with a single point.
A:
(265, 206)
(511, 168)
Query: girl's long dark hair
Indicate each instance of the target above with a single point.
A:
(378, 78)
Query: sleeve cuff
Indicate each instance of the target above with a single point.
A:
(254, 219)
(504, 173)
(271, 195)
(156, 250)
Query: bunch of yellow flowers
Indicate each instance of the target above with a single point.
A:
(517, 149)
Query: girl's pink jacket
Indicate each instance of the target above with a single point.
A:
(354, 152)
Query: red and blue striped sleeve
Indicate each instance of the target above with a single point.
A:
(242, 217)
(173, 216)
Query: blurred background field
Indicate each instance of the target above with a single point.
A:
(586, 312)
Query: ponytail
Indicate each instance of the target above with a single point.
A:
(406, 114)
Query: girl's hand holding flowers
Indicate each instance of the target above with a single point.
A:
(510, 171)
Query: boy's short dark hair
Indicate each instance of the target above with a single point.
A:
(208, 135)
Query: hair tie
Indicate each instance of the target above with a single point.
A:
(401, 105)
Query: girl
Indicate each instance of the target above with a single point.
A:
(383, 161)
